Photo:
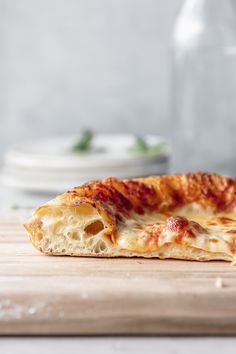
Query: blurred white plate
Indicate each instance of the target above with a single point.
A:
(57, 153)
(50, 165)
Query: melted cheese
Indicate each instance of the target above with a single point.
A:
(209, 232)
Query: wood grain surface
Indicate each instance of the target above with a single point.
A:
(62, 295)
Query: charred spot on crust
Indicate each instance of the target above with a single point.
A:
(177, 223)
(153, 233)
(213, 240)
(224, 220)
(211, 223)
(191, 234)
(183, 227)
(143, 192)
(177, 197)
(231, 231)
(198, 227)
(139, 227)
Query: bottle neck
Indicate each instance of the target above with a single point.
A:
(211, 22)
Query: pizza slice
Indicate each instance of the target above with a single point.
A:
(186, 216)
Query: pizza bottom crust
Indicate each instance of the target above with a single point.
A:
(171, 251)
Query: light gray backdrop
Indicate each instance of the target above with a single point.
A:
(69, 64)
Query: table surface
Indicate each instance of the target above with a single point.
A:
(103, 345)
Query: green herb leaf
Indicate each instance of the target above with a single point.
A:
(141, 147)
(158, 149)
(84, 143)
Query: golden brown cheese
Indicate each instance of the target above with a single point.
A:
(187, 216)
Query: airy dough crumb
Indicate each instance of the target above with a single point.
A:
(219, 283)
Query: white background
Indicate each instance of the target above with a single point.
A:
(70, 64)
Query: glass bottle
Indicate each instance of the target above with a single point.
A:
(204, 87)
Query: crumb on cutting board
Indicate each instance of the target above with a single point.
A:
(219, 283)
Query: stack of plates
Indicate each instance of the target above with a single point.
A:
(50, 165)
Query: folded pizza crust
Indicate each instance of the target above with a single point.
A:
(186, 216)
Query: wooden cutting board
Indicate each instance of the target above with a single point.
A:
(63, 295)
